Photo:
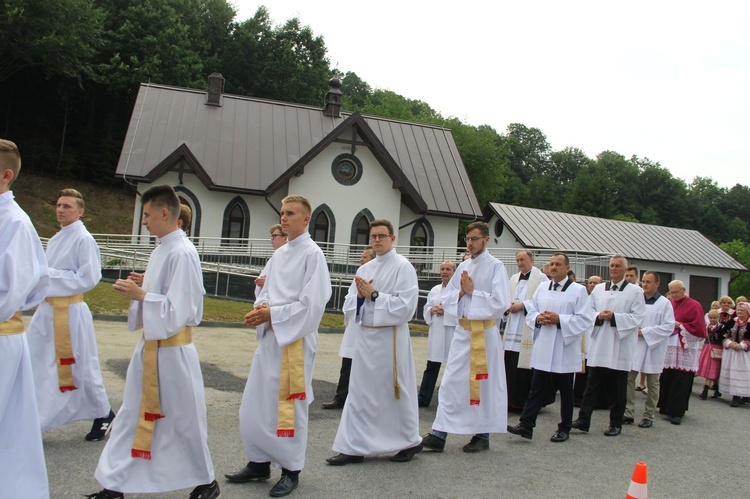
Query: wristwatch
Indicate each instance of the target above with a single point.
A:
(374, 295)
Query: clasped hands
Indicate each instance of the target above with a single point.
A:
(364, 287)
(260, 315)
(437, 310)
(467, 284)
(547, 318)
(129, 289)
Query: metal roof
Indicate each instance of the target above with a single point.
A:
(253, 146)
(543, 229)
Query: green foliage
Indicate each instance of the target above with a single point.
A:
(739, 284)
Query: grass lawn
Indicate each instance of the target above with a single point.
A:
(103, 300)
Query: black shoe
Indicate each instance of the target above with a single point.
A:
(251, 472)
(433, 443)
(612, 431)
(704, 393)
(101, 427)
(645, 423)
(284, 486)
(106, 494)
(333, 404)
(580, 425)
(521, 431)
(405, 455)
(576, 403)
(342, 459)
(422, 404)
(716, 395)
(735, 401)
(675, 420)
(477, 444)
(628, 420)
(208, 491)
(560, 436)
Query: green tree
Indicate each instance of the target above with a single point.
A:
(526, 150)
(739, 283)
(355, 91)
(592, 193)
(661, 196)
(623, 188)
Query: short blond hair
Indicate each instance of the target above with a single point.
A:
(274, 228)
(10, 158)
(296, 198)
(72, 193)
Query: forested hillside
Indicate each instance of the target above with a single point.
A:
(70, 70)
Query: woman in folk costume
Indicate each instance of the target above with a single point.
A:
(709, 365)
(735, 365)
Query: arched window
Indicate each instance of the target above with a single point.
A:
(322, 226)
(362, 231)
(236, 225)
(422, 239)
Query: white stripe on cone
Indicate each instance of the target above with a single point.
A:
(637, 491)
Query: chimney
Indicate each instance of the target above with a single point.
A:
(333, 98)
(215, 89)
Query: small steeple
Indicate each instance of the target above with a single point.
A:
(333, 98)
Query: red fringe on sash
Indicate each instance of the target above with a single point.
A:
(297, 396)
(140, 454)
(473, 402)
(285, 433)
(483, 376)
(67, 361)
(68, 388)
(150, 416)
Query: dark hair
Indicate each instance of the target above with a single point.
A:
(482, 226)
(382, 222)
(655, 274)
(633, 268)
(163, 196)
(186, 215)
(567, 261)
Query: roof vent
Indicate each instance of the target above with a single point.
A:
(215, 89)
(333, 98)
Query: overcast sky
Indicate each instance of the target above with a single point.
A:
(667, 80)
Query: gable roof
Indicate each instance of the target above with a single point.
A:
(254, 146)
(543, 229)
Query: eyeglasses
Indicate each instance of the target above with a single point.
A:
(274, 236)
(473, 239)
(379, 237)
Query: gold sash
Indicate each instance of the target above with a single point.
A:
(478, 359)
(291, 385)
(396, 386)
(150, 409)
(14, 325)
(63, 349)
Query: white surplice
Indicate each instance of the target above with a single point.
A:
(652, 346)
(179, 451)
(297, 289)
(614, 346)
(374, 421)
(557, 347)
(75, 268)
(440, 336)
(23, 284)
(490, 300)
(520, 290)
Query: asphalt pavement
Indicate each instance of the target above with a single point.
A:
(704, 457)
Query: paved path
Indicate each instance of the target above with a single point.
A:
(704, 457)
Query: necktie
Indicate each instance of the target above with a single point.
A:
(524, 277)
(614, 288)
(557, 285)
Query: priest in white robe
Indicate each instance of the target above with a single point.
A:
(620, 309)
(650, 350)
(278, 393)
(67, 392)
(159, 442)
(518, 337)
(440, 335)
(473, 393)
(23, 284)
(559, 312)
(380, 414)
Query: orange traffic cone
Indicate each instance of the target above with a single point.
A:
(639, 483)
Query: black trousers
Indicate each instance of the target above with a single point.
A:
(579, 385)
(609, 380)
(342, 389)
(429, 380)
(674, 391)
(540, 382)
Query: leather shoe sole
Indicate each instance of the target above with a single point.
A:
(342, 459)
(284, 487)
(628, 420)
(521, 431)
(333, 405)
(579, 425)
(477, 445)
(645, 423)
(560, 436)
(406, 455)
(247, 474)
(676, 420)
(612, 431)
(433, 443)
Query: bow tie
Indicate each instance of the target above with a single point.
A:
(524, 277)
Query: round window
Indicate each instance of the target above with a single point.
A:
(346, 169)
(499, 226)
